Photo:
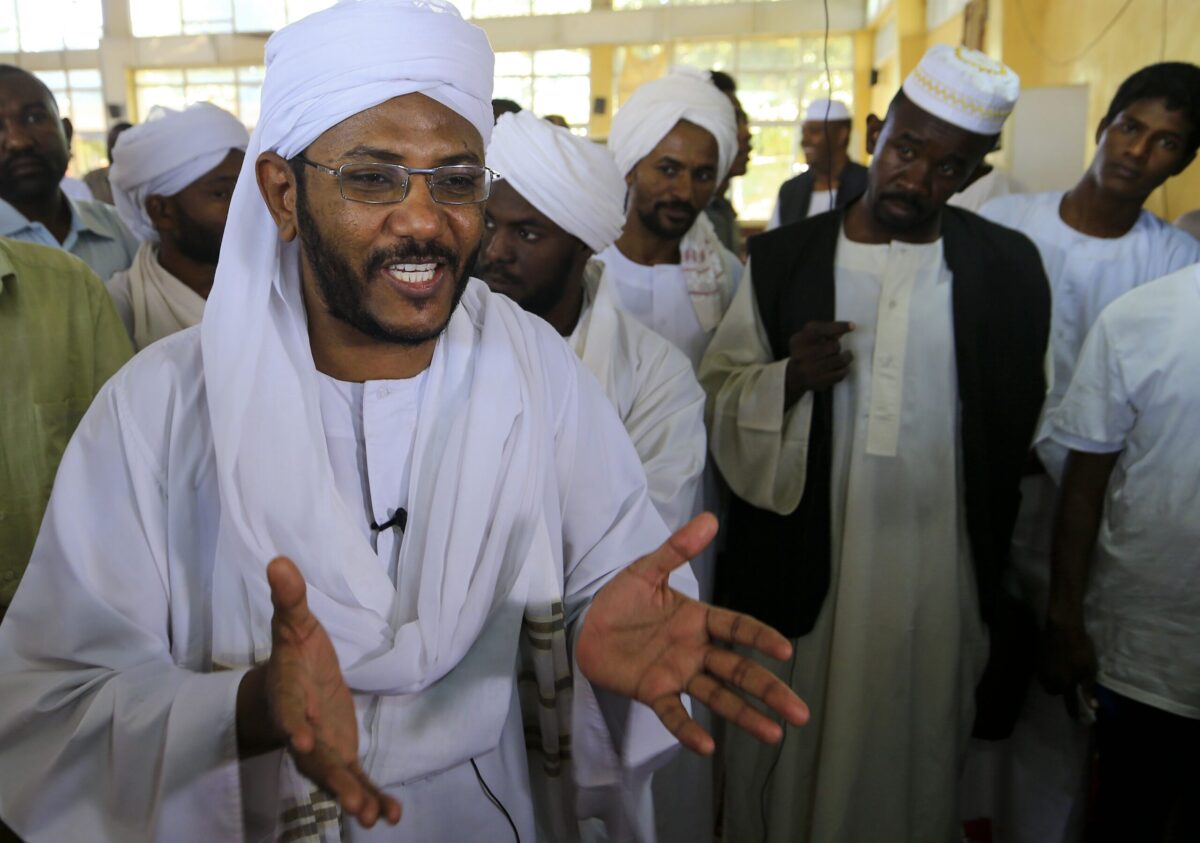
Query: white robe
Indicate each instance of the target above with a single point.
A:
(890, 669)
(108, 702)
(1033, 785)
(152, 302)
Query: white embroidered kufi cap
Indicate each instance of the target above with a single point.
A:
(964, 87)
(826, 111)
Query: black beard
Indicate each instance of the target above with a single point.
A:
(195, 242)
(650, 221)
(922, 217)
(539, 301)
(342, 288)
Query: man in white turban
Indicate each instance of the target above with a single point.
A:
(172, 179)
(873, 391)
(446, 494)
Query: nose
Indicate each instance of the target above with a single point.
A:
(916, 178)
(497, 247)
(1139, 146)
(15, 135)
(680, 187)
(418, 216)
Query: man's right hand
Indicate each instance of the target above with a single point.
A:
(1069, 666)
(300, 700)
(816, 360)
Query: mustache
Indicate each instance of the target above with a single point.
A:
(28, 155)
(909, 199)
(494, 272)
(683, 207)
(411, 251)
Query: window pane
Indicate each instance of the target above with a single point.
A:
(153, 18)
(85, 79)
(515, 88)
(224, 96)
(201, 16)
(569, 96)
(770, 96)
(56, 80)
(164, 95)
(88, 111)
(562, 63)
(209, 75)
(150, 78)
(500, 8)
(637, 64)
(841, 52)
(514, 64)
(560, 7)
(58, 24)
(706, 55)
(258, 15)
(248, 104)
(297, 9)
(252, 74)
(769, 54)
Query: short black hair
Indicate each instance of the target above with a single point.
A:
(13, 70)
(502, 106)
(1177, 82)
(723, 81)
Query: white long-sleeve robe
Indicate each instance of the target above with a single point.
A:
(889, 670)
(109, 707)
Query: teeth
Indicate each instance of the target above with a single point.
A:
(413, 273)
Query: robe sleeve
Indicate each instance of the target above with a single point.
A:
(761, 450)
(102, 735)
(666, 424)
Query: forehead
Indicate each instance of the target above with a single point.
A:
(229, 167)
(507, 206)
(1155, 113)
(688, 143)
(413, 129)
(907, 119)
(24, 89)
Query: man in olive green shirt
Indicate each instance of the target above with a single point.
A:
(60, 340)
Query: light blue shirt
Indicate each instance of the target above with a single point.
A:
(97, 235)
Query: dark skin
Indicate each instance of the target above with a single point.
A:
(826, 150)
(641, 639)
(668, 189)
(1138, 150)
(191, 223)
(34, 151)
(1069, 658)
(919, 162)
(528, 258)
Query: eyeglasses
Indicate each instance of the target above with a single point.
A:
(387, 184)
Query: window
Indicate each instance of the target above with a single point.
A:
(235, 89)
(520, 8)
(623, 5)
(33, 26)
(548, 82)
(777, 78)
(81, 98)
(153, 18)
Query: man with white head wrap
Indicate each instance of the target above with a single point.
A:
(560, 201)
(172, 178)
(431, 457)
(873, 392)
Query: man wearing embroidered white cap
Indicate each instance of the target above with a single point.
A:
(444, 479)
(831, 179)
(172, 178)
(873, 391)
(560, 201)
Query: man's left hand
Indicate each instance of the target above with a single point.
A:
(646, 641)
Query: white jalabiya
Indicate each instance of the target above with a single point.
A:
(890, 669)
(655, 108)
(152, 302)
(1035, 783)
(655, 392)
(121, 670)
(165, 154)
(571, 180)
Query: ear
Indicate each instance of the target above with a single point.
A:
(874, 129)
(162, 213)
(68, 129)
(277, 184)
(982, 170)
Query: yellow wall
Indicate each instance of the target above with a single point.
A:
(1042, 44)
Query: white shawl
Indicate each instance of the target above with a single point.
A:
(160, 303)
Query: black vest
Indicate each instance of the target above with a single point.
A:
(796, 193)
(777, 567)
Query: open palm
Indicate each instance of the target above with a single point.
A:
(646, 641)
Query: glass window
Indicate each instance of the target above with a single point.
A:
(548, 82)
(235, 89)
(153, 18)
(520, 8)
(623, 5)
(776, 77)
(79, 97)
(50, 25)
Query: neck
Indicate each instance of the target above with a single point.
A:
(862, 227)
(646, 247)
(1097, 213)
(51, 211)
(196, 275)
(346, 354)
(564, 313)
(825, 178)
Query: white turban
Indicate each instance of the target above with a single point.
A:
(571, 180)
(166, 154)
(655, 108)
(272, 465)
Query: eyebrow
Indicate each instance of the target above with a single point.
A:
(388, 156)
